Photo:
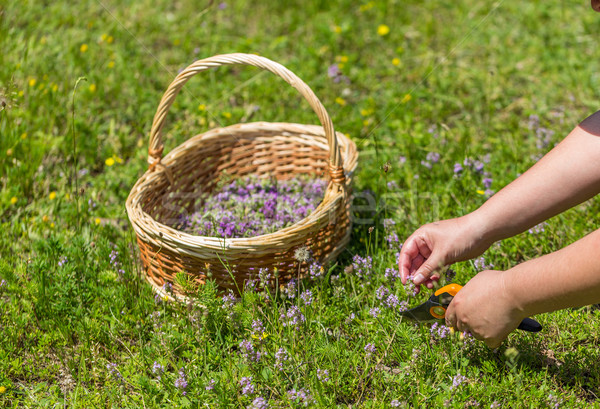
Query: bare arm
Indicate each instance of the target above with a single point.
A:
(568, 175)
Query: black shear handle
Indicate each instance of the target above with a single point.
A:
(530, 325)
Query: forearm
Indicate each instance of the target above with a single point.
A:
(569, 277)
(565, 177)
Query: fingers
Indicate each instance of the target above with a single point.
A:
(408, 253)
(425, 273)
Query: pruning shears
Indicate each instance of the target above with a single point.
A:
(435, 309)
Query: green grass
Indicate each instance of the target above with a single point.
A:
(475, 71)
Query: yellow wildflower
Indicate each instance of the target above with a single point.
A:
(52, 195)
(383, 30)
(176, 42)
(201, 107)
(337, 29)
(20, 93)
(9, 152)
(67, 196)
(109, 39)
(32, 82)
(52, 225)
(366, 122)
(83, 48)
(342, 58)
(97, 220)
(45, 218)
(481, 192)
(406, 98)
(396, 61)
(341, 101)
(262, 336)
(109, 162)
(227, 115)
(111, 64)
(92, 87)
(13, 200)
(55, 87)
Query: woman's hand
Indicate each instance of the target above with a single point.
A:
(485, 308)
(438, 244)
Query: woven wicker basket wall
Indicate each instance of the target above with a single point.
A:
(172, 185)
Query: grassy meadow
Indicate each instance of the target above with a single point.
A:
(447, 102)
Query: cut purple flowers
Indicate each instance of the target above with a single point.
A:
(251, 207)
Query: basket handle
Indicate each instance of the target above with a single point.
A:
(155, 149)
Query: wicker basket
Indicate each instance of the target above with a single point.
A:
(172, 185)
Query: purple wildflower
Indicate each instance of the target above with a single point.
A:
(395, 403)
(113, 371)
(392, 273)
(487, 182)
(228, 301)
(281, 356)
(426, 164)
(363, 266)
(439, 330)
(258, 403)
(392, 239)
(388, 223)
(62, 261)
(307, 297)
(3, 283)
(392, 301)
(248, 352)
(539, 228)
(457, 381)
(374, 312)
(246, 385)
(315, 270)
(410, 288)
(210, 385)
(257, 329)
(333, 71)
(222, 5)
(293, 318)
(480, 264)
(264, 276)
(392, 185)
(382, 292)
(370, 350)
(157, 369)
(458, 168)
(433, 157)
(290, 289)
(181, 382)
(323, 375)
(302, 396)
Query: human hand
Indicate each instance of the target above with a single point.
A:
(485, 309)
(438, 244)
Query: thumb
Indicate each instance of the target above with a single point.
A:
(428, 268)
